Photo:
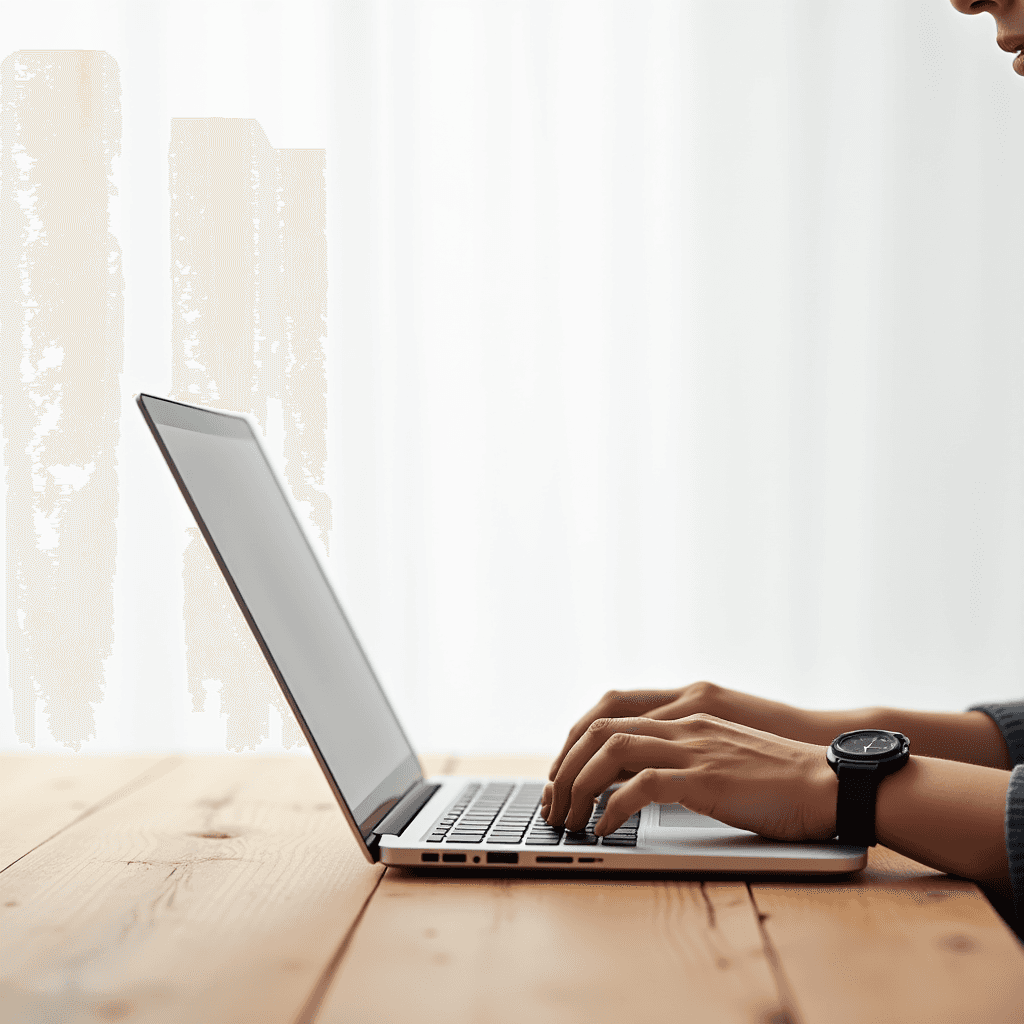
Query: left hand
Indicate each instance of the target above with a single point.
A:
(777, 787)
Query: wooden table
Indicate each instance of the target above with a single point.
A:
(228, 888)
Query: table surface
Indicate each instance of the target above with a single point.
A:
(212, 889)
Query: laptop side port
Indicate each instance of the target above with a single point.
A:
(502, 857)
(429, 857)
(554, 860)
(453, 858)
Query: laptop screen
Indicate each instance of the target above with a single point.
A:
(248, 521)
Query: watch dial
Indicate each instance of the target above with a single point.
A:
(868, 742)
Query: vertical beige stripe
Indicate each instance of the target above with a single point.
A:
(249, 310)
(61, 317)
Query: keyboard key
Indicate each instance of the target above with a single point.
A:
(580, 839)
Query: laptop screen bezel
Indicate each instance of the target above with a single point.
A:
(369, 812)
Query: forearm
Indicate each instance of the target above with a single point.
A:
(948, 815)
(968, 736)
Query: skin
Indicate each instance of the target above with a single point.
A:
(1009, 18)
(760, 765)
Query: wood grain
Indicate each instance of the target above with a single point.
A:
(40, 796)
(220, 892)
(561, 950)
(223, 889)
(435, 948)
(896, 942)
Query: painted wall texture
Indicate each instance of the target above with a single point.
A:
(61, 328)
(249, 314)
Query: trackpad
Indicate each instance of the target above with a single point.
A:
(677, 816)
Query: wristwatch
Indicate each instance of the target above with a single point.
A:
(861, 759)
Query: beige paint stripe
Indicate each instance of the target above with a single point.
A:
(249, 321)
(61, 325)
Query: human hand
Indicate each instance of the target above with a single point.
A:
(700, 698)
(754, 780)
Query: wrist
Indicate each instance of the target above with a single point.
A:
(822, 727)
(827, 799)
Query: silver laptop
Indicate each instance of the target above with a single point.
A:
(398, 816)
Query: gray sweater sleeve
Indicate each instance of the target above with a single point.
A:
(1010, 719)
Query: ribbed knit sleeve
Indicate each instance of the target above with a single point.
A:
(1015, 841)
(1009, 716)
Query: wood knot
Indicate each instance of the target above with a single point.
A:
(115, 1009)
(212, 835)
(957, 943)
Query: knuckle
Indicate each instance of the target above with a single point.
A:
(701, 720)
(599, 725)
(702, 690)
(611, 696)
(619, 740)
(647, 780)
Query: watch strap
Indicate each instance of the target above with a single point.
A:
(855, 805)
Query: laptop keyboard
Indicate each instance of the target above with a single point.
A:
(499, 814)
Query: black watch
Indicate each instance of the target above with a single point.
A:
(861, 759)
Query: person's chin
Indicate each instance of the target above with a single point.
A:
(1018, 63)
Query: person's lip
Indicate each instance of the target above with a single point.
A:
(1018, 63)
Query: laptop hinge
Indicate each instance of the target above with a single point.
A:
(398, 818)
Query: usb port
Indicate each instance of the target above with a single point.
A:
(428, 856)
(502, 857)
(453, 858)
(554, 860)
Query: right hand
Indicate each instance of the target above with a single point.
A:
(696, 698)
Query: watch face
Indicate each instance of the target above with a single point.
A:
(868, 743)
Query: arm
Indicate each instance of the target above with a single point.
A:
(968, 736)
(946, 814)
(946, 808)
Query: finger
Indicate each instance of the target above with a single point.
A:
(623, 750)
(545, 800)
(600, 732)
(667, 712)
(614, 704)
(652, 785)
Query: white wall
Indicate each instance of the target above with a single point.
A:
(663, 345)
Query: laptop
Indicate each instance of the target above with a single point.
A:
(398, 816)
